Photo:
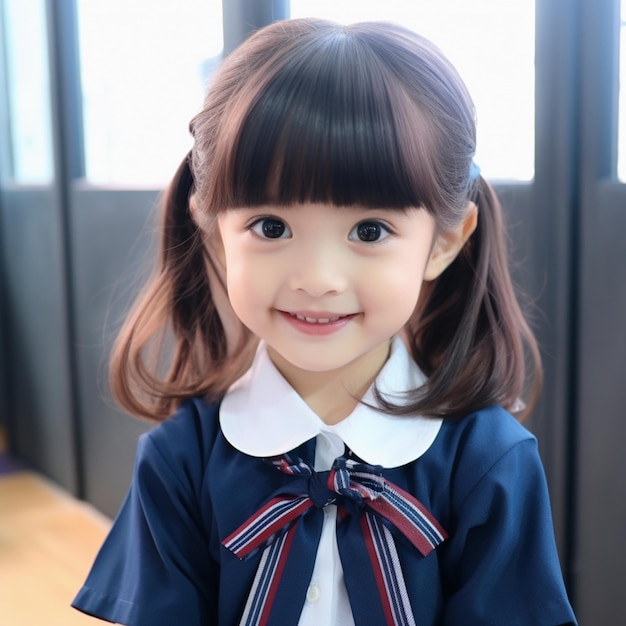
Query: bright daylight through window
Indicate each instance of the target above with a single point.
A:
(621, 159)
(135, 81)
(28, 91)
(144, 67)
(497, 65)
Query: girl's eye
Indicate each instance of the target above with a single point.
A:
(271, 228)
(369, 232)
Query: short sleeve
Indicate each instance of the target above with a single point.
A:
(154, 568)
(501, 562)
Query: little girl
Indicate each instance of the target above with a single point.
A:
(334, 329)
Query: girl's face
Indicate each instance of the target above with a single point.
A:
(325, 287)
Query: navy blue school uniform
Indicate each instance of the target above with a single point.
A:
(164, 562)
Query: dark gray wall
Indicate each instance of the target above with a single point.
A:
(4, 350)
(600, 386)
(60, 416)
(111, 242)
(40, 413)
(600, 555)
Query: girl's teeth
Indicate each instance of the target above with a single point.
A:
(314, 320)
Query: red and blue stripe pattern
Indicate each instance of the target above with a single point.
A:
(381, 505)
(266, 580)
(383, 555)
(269, 520)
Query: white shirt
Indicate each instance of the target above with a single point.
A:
(263, 416)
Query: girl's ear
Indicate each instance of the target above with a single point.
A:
(448, 244)
(193, 210)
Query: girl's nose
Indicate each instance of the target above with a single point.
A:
(318, 270)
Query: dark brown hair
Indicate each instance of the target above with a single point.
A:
(307, 110)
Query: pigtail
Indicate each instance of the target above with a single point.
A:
(173, 344)
(469, 334)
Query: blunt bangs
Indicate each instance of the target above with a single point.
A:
(330, 123)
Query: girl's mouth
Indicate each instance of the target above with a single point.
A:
(317, 324)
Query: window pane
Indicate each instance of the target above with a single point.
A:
(144, 67)
(28, 91)
(621, 158)
(492, 44)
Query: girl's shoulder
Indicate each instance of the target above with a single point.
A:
(491, 430)
(486, 446)
(488, 432)
(184, 442)
(195, 419)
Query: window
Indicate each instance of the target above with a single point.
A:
(28, 91)
(621, 151)
(492, 45)
(144, 68)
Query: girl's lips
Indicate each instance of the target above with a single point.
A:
(317, 323)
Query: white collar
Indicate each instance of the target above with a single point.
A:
(263, 416)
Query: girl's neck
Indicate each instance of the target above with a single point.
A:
(333, 395)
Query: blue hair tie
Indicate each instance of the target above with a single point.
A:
(474, 172)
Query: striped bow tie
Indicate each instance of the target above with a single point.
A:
(369, 509)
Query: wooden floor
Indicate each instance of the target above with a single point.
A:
(48, 540)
